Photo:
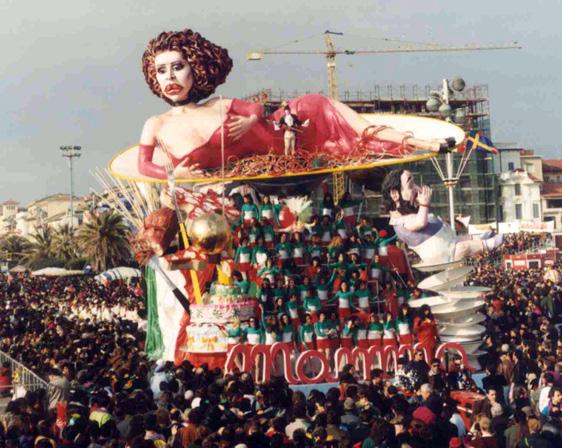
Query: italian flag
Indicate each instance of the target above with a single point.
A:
(166, 335)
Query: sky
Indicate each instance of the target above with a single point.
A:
(70, 69)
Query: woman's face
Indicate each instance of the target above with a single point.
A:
(173, 74)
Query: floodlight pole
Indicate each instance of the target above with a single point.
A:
(71, 152)
(450, 181)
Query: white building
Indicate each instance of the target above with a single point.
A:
(520, 196)
(552, 192)
(23, 224)
(8, 211)
(508, 158)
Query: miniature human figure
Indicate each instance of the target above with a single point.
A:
(290, 124)
(426, 234)
(183, 68)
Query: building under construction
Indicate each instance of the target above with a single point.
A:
(476, 191)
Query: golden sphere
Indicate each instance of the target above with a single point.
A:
(209, 233)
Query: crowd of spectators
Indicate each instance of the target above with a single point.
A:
(104, 392)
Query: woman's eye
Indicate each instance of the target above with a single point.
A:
(161, 71)
(178, 66)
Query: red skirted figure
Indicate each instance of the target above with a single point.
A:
(425, 330)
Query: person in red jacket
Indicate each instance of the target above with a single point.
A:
(425, 330)
(5, 379)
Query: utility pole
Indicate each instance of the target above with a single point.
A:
(450, 182)
(71, 152)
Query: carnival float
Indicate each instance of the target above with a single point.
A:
(176, 183)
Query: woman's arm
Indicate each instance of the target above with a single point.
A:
(146, 150)
(419, 220)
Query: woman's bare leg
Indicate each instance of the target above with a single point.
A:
(469, 247)
(359, 124)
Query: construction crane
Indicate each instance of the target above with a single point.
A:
(331, 52)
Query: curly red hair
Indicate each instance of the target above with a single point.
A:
(210, 64)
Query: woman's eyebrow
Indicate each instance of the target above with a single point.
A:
(179, 61)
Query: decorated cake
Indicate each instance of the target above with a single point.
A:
(221, 306)
(205, 338)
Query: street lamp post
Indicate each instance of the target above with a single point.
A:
(439, 102)
(71, 152)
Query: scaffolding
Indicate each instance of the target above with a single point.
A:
(475, 195)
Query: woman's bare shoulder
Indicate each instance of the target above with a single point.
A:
(150, 129)
(154, 121)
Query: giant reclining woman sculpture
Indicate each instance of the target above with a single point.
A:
(183, 69)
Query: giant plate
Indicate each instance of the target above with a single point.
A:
(453, 311)
(445, 280)
(465, 292)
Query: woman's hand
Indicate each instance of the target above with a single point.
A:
(238, 125)
(424, 195)
(187, 172)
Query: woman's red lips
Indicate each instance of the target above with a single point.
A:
(172, 88)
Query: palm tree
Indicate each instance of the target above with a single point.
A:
(13, 248)
(104, 240)
(41, 245)
(64, 243)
